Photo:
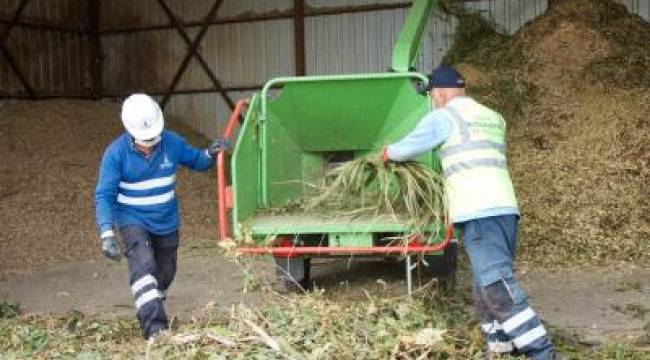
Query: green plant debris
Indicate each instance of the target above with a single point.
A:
(8, 309)
(312, 326)
(410, 193)
(404, 190)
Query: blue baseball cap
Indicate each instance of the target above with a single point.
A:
(445, 77)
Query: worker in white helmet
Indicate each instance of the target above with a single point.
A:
(135, 196)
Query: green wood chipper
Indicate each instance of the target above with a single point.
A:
(287, 141)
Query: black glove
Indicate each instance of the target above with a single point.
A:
(110, 249)
(218, 145)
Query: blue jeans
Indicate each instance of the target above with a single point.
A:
(507, 319)
(152, 267)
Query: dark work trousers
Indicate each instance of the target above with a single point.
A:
(152, 266)
(508, 321)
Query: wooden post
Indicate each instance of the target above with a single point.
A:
(96, 56)
(10, 59)
(299, 36)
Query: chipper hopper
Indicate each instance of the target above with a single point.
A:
(298, 127)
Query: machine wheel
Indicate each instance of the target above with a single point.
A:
(293, 273)
(444, 267)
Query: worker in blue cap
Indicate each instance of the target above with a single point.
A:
(471, 144)
(135, 197)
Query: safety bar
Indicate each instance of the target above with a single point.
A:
(290, 251)
(221, 173)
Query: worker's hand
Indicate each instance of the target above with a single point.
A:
(384, 156)
(110, 249)
(218, 145)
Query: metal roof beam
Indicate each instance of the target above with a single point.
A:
(193, 52)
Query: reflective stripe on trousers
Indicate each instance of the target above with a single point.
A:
(152, 267)
(525, 329)
(490, 244)
(497, 341)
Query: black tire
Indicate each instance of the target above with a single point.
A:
(443, 266)
(293, 274)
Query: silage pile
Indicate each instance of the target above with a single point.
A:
(50, 156)
(574, 85)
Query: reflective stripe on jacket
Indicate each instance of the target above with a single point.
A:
(474, 161)
(136, 190)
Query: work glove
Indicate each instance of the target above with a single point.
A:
(218, 145)
(110, 249)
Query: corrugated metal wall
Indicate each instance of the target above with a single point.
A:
(351, 43)
(240, 54)
(639, 7)
(252, 53)
(52, 61)
(363, 42)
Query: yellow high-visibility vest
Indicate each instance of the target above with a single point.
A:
(474, 160)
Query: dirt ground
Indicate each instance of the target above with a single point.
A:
(595, 303)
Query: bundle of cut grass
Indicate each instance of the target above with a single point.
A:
(409, 191)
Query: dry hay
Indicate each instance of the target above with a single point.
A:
(579, 144)
(50, 156)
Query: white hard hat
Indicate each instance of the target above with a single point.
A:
(142, 117)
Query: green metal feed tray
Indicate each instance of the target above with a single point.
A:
(288, 141)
